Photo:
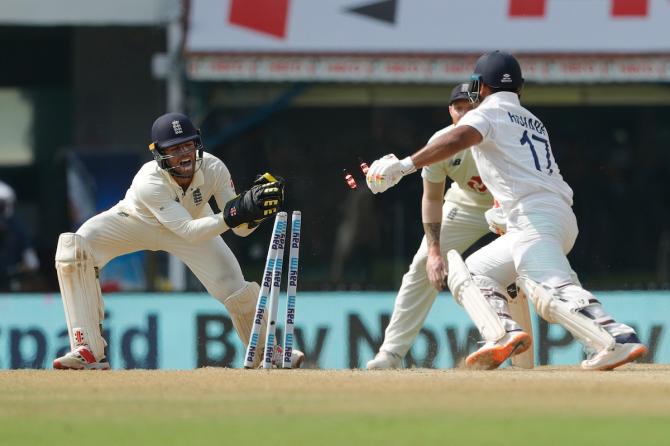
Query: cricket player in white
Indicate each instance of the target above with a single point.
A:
(454, 221)
(512, 150)
(166, 208)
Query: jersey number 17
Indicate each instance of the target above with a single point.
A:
(525, 139)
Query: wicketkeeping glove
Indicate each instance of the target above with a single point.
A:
(263, 200)
(268, 178)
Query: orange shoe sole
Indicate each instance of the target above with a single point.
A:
(491, 358)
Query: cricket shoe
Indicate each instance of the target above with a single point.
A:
(81, 358)
(627, 349)
(493, 353)
(385, 360)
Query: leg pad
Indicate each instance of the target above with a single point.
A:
(471, 298)
(80, 290)
(564, 307)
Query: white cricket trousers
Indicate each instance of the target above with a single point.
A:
(113, 233)
(535, 245)
(461, 227)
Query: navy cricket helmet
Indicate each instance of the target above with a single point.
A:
(460, 91)
(499, 70)
(172, 129)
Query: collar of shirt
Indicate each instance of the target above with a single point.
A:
(197, 181)
(502, 96)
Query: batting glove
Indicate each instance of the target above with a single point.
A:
(387, 171)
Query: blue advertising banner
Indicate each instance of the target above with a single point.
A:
(335, 330)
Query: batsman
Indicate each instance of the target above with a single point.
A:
(513, 154)
(455, 221)
(166, 209)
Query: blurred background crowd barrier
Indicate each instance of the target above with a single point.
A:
(305, 88)
(334, 330)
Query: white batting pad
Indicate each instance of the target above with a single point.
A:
(518, 309)
(563, 308)
(471, 298)
(80, 290)
(241, 306)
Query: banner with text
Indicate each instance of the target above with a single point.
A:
(335, 330)
(420, 69)
(428, 26)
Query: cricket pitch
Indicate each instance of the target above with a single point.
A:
(548, 405)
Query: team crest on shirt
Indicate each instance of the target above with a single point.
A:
(475, 183)
(197, 197)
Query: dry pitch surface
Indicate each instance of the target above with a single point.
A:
(549, 405)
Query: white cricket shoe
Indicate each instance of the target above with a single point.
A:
(493, 353)
(384, 360)
(81, 358)
(627, 349)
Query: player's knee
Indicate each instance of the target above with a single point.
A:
(541, 297)
(577, 297)
(73, 251)
(587, 303)
(547, 299)
(242, 300)
(224, 282)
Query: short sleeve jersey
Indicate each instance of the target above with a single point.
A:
(467, 187)
(514, 158)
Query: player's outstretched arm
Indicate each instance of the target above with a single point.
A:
(446, 145)
(387, 171)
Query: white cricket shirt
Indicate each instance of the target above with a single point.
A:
(157, 199)
(514, 158)
(467, 186)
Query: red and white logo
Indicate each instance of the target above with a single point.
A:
(477, 184)
(78, 335)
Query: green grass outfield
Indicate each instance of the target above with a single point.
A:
(545, 406)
